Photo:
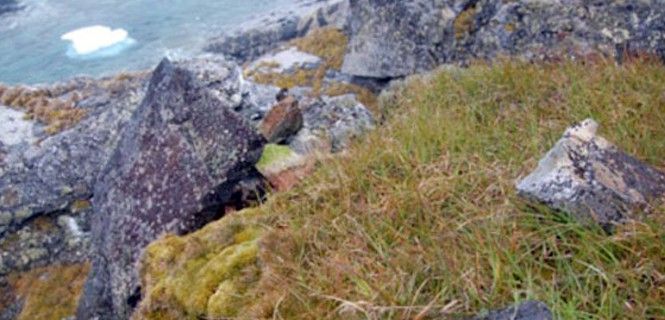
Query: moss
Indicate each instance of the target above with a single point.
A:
(80, 205)
(206, 274)
(464, 22)
(273, 154)
(49, 293)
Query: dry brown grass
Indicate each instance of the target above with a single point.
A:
(41, 105)
(49, 293)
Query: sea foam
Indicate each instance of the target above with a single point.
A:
(97, 41)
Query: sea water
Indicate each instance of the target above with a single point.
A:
(53, 40)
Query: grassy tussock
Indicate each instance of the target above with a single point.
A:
(41, 105)
(421, 219)
(328, 43)
(50, 293)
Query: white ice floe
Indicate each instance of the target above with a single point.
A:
(97, 40)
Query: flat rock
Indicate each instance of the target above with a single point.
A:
(15, 130)
(530, 310)
(587, 176)
(285, 61)
(174, 169)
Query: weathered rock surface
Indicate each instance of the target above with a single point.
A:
(283, 121)
(530, 310)
(330, 124)
(43, 180)
(587, 176)
(48, 176)
(256, 38)
(392, 39)
(8, 6)
(174, 168)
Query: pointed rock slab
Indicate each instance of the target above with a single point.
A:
(175, 167)
(590, 178)
(530, 310)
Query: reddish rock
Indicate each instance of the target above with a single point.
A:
(283, 121)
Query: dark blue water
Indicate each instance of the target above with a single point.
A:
(31, 50)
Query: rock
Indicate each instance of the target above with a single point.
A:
(283, 121)
(256, 38)
(285, 61)
(590, 178)
(391, 39)
(284, 168)
(530, 310)
(174, 169)
(15, 130)
(9, 6)
(331, 121)
(47, 177)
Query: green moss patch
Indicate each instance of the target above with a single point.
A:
(207, 274)
(275, 156)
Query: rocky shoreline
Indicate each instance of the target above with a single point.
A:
(123, 160)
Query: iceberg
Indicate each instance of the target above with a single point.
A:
(97, 41)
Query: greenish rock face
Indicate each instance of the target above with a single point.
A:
(275, 157)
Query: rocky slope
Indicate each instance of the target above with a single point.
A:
(123, 161)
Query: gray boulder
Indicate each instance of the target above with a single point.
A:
(175, 167)
(590, 178)
(422, 34)
(392, 39)
(330, 123)
(530, 310)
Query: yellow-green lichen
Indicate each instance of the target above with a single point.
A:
(207, 274)
(273, 155)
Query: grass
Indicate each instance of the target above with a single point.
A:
(420, 219)
(39, 104)
(49, 293)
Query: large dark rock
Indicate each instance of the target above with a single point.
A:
(392, 39)
(175, 167)
(590, 178)
(530, 310)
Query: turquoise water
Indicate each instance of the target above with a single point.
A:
(31, 50)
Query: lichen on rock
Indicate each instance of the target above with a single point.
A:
(587, 176)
